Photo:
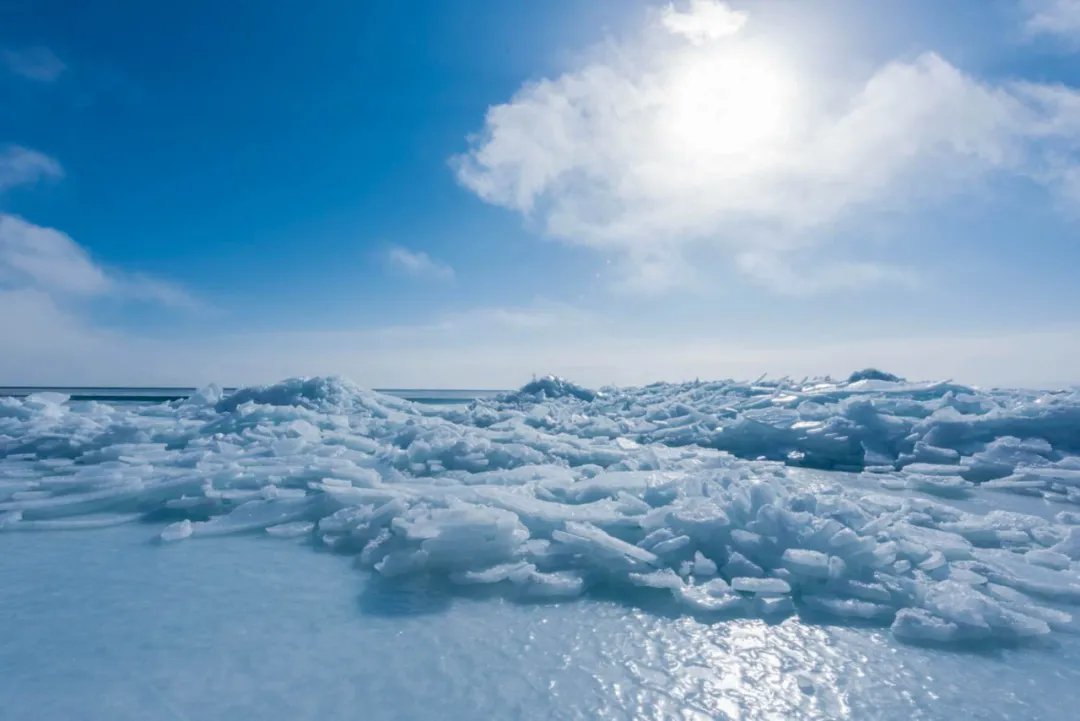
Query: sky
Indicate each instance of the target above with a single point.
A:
(431, 194)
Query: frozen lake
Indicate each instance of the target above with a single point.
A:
(105, 624)
(861, 549)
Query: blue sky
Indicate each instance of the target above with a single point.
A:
(462, 194)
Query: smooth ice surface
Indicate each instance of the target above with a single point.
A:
(104, 625)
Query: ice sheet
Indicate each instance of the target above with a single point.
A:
(101, 625)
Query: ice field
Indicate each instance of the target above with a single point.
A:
(866, 548)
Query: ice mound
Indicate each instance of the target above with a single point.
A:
(873, 374)
(547, 387)
(873, 421)
(546, 496)
(320, 393)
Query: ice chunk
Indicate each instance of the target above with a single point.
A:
(917, 624)
(804, 562)
(761, 586)
(703, 566)
(177, 531)
(291, 530)
(517, 572)
(739, 565)
(1070, 545)
(848, 607)
(665, 578)
(713, 596)
(602, 548)
(1049, 559)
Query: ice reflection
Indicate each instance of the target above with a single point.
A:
(747, 669)
(739, 669)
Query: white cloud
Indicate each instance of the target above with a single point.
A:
(45, 260)
(704, 21)
(1054, 17)
(36, 63)
(23, 166)
(417, 264)
(697, 134)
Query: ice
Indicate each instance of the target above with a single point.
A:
(1070, 545)
(853, 608)
(550, 387)
(804, 562)
(734, 498)
(177, 531)
(293, 529)
(1049, 559)
(761, 586)
(703, 566)
(598, 548)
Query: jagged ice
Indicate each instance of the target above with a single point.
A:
(821, 498)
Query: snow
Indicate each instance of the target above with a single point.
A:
(931, 509)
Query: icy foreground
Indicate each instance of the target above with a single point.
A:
(689, 492)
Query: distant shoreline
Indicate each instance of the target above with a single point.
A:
(160, 394)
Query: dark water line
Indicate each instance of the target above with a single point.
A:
(162, 394)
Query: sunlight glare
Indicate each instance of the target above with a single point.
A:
(727, 103)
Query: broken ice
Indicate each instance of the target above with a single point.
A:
(874, 499)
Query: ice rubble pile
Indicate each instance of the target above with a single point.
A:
(944, 436)
(553, 491)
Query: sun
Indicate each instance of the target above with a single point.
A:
(726, 103)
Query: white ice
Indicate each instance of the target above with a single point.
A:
(935, 509)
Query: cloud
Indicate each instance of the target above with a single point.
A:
(45, 260)
(1054, 17)
(23, 166)
(695, 133)
(418, 264)
(138, 286)
(786, 276)
(704, 21)
(35, 63)
(537, 317)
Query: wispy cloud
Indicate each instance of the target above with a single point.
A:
(34, 63)
(142, 287)
(1054, 17)
(787, 276)
(697, 133)
(503, 321)
(23, 166)
(417, 263)
(46, 260)
(43, 260)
